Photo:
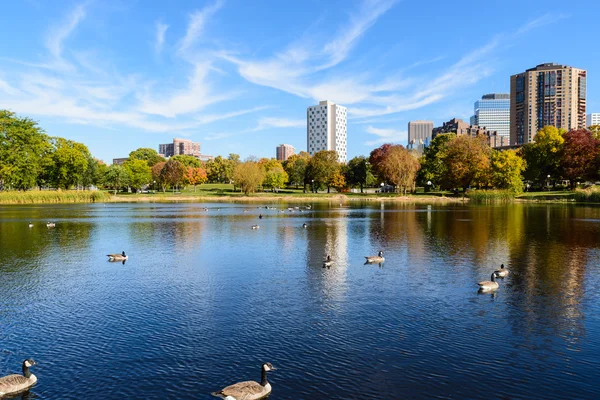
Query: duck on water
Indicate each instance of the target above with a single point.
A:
(248, 390)
(14, 384)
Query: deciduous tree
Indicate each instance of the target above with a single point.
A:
(579, 155)
(157, 175)
(399, 166)
(433, 168)
(543, 155)
(248, 176)
(187, 161)
(70, 161)
(195, 176)
(322, 167)
(149, 155)
(116, 177)
(466, 160)
(173, 173)
(140, 174)
(506, 169)
(295, 166)
(359, 172)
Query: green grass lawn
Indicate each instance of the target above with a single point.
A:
(550, 195)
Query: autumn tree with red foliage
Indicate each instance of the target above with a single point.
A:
(579, 156)
(377, 158)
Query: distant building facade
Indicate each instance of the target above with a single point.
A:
(326, 129)
(119, 161)
(180, 147)
(419, 131)
(592, 119)
(492, 113)
(460, 127)
(284, 151)
(549, 94)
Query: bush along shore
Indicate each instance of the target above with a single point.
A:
(53, 196)
(591, 195)
(491, 196)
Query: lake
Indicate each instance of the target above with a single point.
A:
(204, 300)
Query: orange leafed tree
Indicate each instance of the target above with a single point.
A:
(195, 176)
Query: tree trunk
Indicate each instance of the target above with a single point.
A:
(361, 187)
(328, 191)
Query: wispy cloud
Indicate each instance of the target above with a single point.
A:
(197, 22)
(57, 35)
(206, 119)
(161, 29)
(385, 136)
(539, 22)
(197, 95)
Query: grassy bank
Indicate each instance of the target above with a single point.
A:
(53, 196)
(490, 196)
(591, 195)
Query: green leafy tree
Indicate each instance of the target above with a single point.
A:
(338, 181)
(275, 175)
(149, 155)
(595, 130)
(221, 169)
(295, 166)
(433, 169)
(140, 174)
(359, 172)
(322, 168)
(188, 161)
(24, 149)
(248, 175)
(506, 169)
(467, 161)
(543, 155)
(173, 173)
(70, 162)
(116, 177)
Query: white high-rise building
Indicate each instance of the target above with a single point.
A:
(326, 129)
(592, 119)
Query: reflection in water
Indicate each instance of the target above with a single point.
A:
(204, 299)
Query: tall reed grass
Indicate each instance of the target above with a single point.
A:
(591, 195)
(53, 196)
(490, 196)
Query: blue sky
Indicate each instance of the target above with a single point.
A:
(237, 75)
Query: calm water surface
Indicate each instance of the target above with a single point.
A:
(204, 300)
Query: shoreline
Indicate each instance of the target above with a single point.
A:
(283, 198)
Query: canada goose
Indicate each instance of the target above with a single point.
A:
(50, 224)
(376, 259)
(487, 286)
(260, 216)
(31, 224)
(255, 227)
(502, 272)
(248, 390)
(117, 257)
(308, 207)
(328, 262)
(12, 384)
(304, 225)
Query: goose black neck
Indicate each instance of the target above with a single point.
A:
(26, 371)
(263, 378)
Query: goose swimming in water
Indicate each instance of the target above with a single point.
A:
(50, 224)
(13, 384)
(31, 224)
(502, 272)
(375, 259)
(117, 257)
(304, 225)
(248, 390)
(328, 262)
(488, 286)
(255, 227)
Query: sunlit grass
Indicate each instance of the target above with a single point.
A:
(53, 196)
(490, 196)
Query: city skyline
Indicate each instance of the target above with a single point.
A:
(208, 72)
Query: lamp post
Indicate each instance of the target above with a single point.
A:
(154, 186)
(382, 185)
(548, 184)
(312, 185)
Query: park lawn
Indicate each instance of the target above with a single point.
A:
(564, 195)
